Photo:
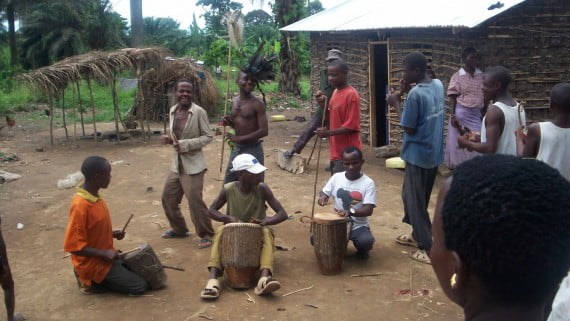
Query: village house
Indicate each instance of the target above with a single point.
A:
(530, 37)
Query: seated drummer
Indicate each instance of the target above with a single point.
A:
(246, 200)
(89, 236)
(354, 196)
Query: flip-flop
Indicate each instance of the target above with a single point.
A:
(407, 240)
(170, 234)
(204, 243)
(420, 256)
(266, 285)
(213, 286)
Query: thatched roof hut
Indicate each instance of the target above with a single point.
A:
(157, 85)
(102, 66)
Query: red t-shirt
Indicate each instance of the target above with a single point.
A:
(344, 111)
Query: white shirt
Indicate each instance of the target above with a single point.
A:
(554, 147)
(351, 194)
(513, 118)
(561, 305)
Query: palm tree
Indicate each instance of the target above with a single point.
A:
(137, 31)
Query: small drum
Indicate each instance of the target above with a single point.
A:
(329, 241)
(144, 263)
(240, 250)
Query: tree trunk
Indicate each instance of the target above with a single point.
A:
(12, 33)
(290, 74)
(137, 33)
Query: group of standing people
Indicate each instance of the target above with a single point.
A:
(458, 260)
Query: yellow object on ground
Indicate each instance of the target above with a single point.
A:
(395, 162)
(278, 118)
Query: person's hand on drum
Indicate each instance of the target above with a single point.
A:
(262, 222)
(343, 213)
(231, 219)
(119, 234)
(323, 199)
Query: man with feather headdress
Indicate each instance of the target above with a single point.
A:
(248, 117)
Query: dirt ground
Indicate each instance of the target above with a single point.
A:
(46, 288)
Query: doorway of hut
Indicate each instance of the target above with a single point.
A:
(379, 126)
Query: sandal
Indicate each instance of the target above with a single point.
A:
(267, 285)
(420, 256)
(204, 243)
(170, 234)
(212, 290)
(407, 240)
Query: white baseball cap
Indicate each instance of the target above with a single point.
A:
(247, 162)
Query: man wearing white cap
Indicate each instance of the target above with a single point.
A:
(245, 200)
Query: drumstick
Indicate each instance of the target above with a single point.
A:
(173, 267)
(126, 224)
(130, 251)
(318, 162)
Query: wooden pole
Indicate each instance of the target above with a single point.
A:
(50, 118)
(73, 109)
(140, 107)
(226, 103)
(92, 108)
(115, 108)
(318, 162)
(118, 111)
(80, 108)
(63, 113)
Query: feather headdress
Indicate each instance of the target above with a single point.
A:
(260, 68)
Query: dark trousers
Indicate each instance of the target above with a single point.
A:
(362, 239)
(416, 192)
(255, 149)
(336, 167)
(122, 280)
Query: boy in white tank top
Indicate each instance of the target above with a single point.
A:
(550, 141)
(501, 120)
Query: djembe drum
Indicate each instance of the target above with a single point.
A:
(144, 263)
(329, 241)
(240, 249)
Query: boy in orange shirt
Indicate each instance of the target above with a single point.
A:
(89, 236)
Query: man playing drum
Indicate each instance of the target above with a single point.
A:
(354, 196)
(89, 236)
(246, 199)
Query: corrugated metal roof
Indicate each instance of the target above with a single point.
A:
(383, 14)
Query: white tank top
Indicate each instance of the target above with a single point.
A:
(554, 148)
(507, 142)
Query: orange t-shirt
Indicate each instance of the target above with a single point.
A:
(89, 226)
(344, 111)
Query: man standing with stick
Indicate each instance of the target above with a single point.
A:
(190, 131)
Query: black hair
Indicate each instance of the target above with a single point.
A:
(340, 64)
(501, 75)
(416, 60)
(560, 96)
(260, 68)
(94, 165)
(467, 51)
(352, 149)
(507, 218)
(175, 88)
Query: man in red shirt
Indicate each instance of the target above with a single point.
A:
(344, 115)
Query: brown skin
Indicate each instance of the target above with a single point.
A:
(411, 76)
(246, 183)
(528, 144)
(248, 116)
(353, 171)
(183, 93)
(338, 80)
(100, 180)
(470, 64)
(495, 120)
(468, 292)
(7, 283)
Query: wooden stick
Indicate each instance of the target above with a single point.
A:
(249, 297)
(297, 291)
(363, 275)
(50, 117)
(80, 108)
(318, 162)
(226, 103)
(63, 114)
(126, 224)
(92, 101)
(312, 151)
(173, 267)
(130, 251)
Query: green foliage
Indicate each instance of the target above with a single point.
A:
(215, 12)
(315, 7)
(165, 32)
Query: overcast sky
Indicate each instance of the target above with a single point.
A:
(182, 10)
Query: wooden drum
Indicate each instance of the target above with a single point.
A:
(329, 241)
(240, 249)
(144, 263)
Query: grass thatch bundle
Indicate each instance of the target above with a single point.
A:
(158, 83)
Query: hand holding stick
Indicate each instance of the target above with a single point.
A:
(127, 224)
